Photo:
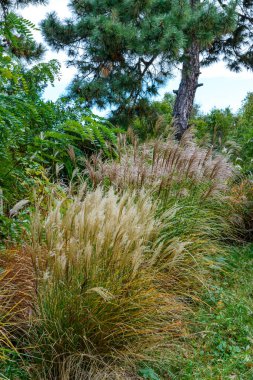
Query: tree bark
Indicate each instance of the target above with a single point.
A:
(188, 85)
(187, 90)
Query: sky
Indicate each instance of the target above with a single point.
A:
(221, 87)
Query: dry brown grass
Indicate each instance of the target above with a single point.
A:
(16, 297)
(18, 282)
(72, 369)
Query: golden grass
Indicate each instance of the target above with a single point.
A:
(101, 296)
(5, 341)
(73, 369)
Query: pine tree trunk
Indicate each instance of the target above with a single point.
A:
(188, 86)
(187, 90)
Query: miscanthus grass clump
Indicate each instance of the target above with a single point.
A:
(163, 166)
(101, 299)
(193, 182)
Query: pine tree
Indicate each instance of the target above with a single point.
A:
(233, 44)
(209, 21)
(237, 47)
(125, 50)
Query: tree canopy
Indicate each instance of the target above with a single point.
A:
(125, 51)
(236, 48)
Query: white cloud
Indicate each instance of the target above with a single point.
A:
(219, 70)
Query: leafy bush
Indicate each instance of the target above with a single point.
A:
(230, 133)
(75, 135)
(244, 135)
(216, 127)
(39, 141)
(155, 120)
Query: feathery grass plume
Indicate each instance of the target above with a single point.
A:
(100, 301)
(182, 174)
(163, 166)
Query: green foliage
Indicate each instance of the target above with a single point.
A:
(148, 374)
(75, 135)
(11, 368)
(230, 133)
(236, 47)
(18, 38)
(218, 125)
(154, 119)
(222, 328)
(11, 229)
(244, 134)
(20, 121)
(21, 112)
(38, 136)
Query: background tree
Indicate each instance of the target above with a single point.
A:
(236, 48)
(209, 21)
(234, 44)
(125, 51)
